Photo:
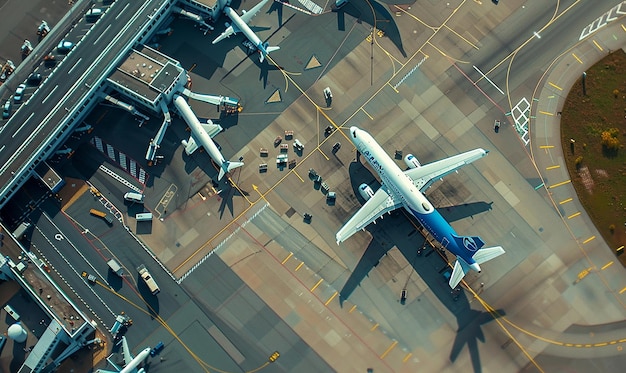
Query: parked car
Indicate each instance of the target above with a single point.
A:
(19, 93)
(6, 110)
(65, 46)
(93, 14)
(34, 79)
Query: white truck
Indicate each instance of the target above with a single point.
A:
(147, 278)
(116, 267)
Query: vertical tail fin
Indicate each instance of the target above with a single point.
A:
(265, 50)
(227, 167)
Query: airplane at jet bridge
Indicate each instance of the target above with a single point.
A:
(201, 136)
(240, 24)
(405, 189)
(130, 363)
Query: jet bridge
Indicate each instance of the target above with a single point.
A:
(222, 101)
(128, 107)
(155, 143)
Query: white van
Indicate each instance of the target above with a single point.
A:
(134, 197)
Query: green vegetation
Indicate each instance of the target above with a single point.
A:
(593, 129)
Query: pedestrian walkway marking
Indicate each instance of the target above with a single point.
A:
(313, 63)
(316, 285)
(389, 349)
(275, 97)
(589, 239)
(555, 86)
(331, 298)
(311, 6)
(287, 258)
(598, 46)
(559, 184)
(607, 265)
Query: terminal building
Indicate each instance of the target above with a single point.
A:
(48, 333)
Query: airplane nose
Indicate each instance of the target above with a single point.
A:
(353, 131)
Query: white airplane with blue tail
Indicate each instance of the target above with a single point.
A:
(405, 189)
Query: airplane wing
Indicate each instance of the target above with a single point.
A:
(211, 128)
(191, 145)
(424, 176)
(247, 16)
(126, 352)
(230, 30)
(380, 203)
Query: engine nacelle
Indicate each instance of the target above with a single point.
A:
(366, 191)
(411, 161)
(184, 142)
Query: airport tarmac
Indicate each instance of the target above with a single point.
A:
(284, 280)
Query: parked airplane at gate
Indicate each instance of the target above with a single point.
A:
(201, 135)
(404, 189)
(130, 363)
(240, 24)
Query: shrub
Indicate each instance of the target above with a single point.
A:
(610, 142)
(612, 228)
(579, 161)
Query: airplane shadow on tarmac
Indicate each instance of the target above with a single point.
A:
(379, 18)
(392, 231)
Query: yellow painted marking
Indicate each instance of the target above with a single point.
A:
(392, 87)
(287, 258)
(589, 239)
(352, 309)
(623, 28)
(622, 340)
(192, 67)
(598, 46)
(612, 342)
(374, 327)
(555, 86)
(546, 113)
(569, 345)
(577, 59)
(578, 345)
(565, 201)
(316, 285)
(574, 215)
(299, 177)
(325, 156)
(366, 113)
(389, 349)
(331, 298)
(621, 291)
(559, 184)
(546, 147)
(607, 265)
(588, 345)
(299, 265)
(553, 167)
(407, 357)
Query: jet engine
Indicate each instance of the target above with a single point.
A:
(411, 161)
(184, 142)
(366, 191)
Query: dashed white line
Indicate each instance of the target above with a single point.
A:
(69, 72)
(23, 124)
(49, 94)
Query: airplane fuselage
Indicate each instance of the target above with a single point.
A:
(199, 132)
(401, 186)
(245, 29)
(132, 365)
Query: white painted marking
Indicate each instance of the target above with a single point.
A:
(23, 124)
(50, 94)
(102, 34)
(69, 72)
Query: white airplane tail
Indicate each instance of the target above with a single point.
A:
(266, 50)
(227, 167)
(461, 267)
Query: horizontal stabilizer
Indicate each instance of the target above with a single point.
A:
(272, 49)
(459, 271)
(227, 167)
(488, 253)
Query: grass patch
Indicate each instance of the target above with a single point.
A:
(597, 163)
